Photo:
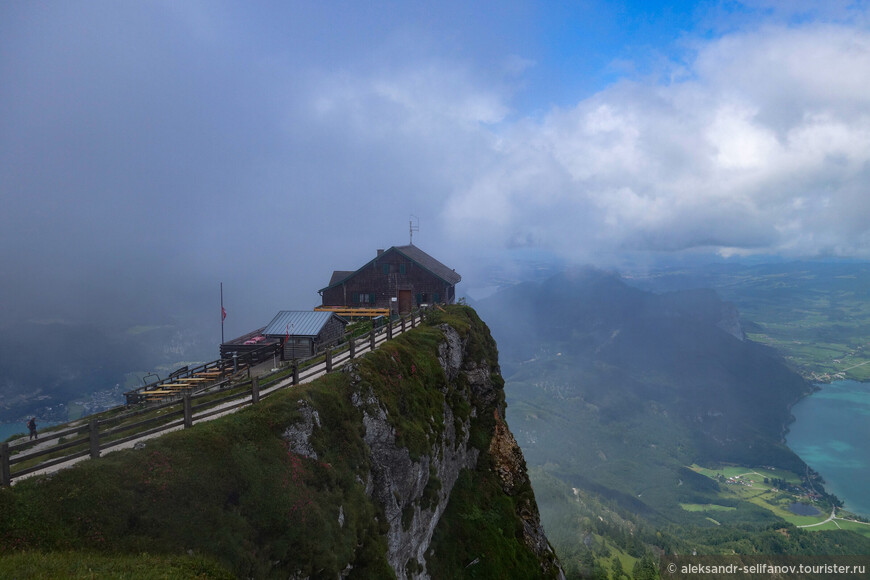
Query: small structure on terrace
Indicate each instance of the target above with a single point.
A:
(304, 333)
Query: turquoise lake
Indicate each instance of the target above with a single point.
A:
(7, 429)
(831, 433)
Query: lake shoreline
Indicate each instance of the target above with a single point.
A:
(817, 435)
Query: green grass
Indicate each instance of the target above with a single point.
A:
(480, 535)
(861, 528)
(707, 507)
(87, 565)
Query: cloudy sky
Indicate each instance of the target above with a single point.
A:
(150, 150)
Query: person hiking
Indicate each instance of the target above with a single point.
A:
(32, 426)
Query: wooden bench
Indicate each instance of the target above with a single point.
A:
(158, 394)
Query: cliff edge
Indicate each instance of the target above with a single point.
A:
(401, 465)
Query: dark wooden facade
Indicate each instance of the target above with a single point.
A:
(399, 278)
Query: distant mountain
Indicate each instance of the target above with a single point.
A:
(683, 350)
(814, 313)
(614, 391)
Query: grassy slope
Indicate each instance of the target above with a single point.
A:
(230, 493)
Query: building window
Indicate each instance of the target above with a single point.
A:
(402, 268)
(363, 297)
(385, 268)
(436, 298)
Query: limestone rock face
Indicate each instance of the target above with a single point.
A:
(298, 435)
(414, 492)
(399, 483)
(510, 465)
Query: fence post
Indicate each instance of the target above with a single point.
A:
(403, 323)
(188, 412)
(95, 439)
(389, 331)
(329, 360)
(413, 320)
(372, 339)
(295, 373)
(5, 474)
(352, 347)
(255, 390)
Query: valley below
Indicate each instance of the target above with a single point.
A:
(656, 423)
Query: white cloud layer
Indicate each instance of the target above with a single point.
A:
(762, 145)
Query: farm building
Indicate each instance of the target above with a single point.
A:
(395, 281)
(304, 332)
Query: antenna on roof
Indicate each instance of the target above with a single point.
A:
(413, 227)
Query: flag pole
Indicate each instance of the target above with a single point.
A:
(222, 313)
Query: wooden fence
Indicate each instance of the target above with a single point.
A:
(89, 440)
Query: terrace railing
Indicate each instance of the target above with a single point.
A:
(123, 428)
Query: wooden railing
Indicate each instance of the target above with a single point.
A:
(350, 312)
(124, 429)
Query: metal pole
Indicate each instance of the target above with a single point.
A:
(188, 412)
(222, 313)
(5, 474)
(95, 439)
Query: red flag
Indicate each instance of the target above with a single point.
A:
(223, 313)
(288, 333)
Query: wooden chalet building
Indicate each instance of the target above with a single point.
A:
(395, 281)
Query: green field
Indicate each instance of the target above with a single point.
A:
(706, 507)
(747, 484)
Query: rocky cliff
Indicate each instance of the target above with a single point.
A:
(401, 464)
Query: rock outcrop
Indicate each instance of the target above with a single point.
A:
(415, 493)
(399, 465)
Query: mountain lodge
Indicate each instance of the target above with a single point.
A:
(394, 282)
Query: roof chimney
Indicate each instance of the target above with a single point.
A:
(380, 252)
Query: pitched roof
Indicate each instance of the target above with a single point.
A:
(339, 275)
(447, 274)
(414, 254)
(298, 323)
